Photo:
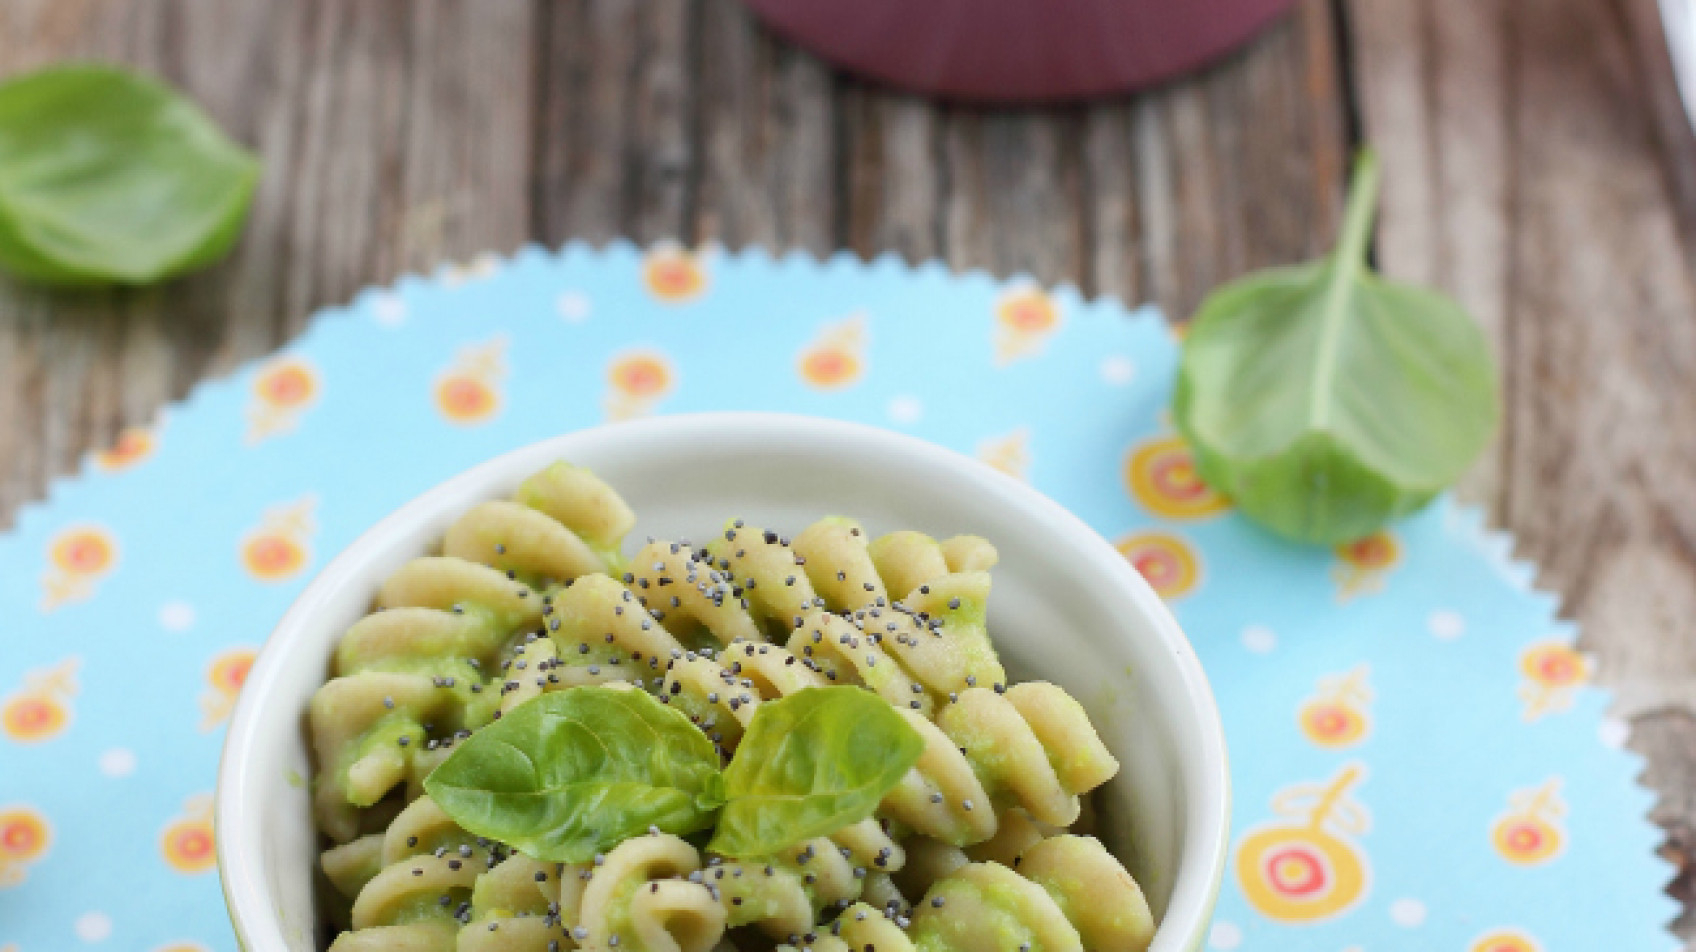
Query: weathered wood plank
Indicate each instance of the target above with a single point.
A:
(767, 126)
(1529, 171)
(892, 178)
(1589, 296)
(1013, 202)
(665, 103)
(617, 130)
(776, 150)
(1114, 220)
(581, 120)
(1445, 207)
(1238, 168)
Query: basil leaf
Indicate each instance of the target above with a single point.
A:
(107, 177)
(809, 765)
(569, 774)
(1326, 401)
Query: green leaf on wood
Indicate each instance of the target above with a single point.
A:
(110, 178)
(1326, 401)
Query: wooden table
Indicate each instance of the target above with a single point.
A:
(1538, 167)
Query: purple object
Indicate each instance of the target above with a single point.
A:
(1019, 50)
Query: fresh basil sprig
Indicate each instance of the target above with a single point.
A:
(1326, 401)
(809, 765)
(573, 773)
(566, 775)
(107, 177)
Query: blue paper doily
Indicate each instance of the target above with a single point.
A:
(1418, 758)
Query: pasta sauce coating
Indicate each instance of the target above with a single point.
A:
(530, 595)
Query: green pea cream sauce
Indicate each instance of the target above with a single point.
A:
(971, 911)
(427, 908)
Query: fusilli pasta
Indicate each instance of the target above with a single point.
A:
(530, 595)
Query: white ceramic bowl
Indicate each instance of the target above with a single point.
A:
(1065, 607)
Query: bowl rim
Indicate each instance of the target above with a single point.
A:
(254, 916)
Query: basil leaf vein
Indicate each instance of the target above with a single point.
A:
(109, 177)
(809, 765)
(572, 773)
(1326, 401)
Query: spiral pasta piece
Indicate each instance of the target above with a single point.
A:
(1016, 832)
(711, 697)
(390, 903)
(634, 897)
(772, 670)
(420, 828)
(603, 634)
(881, 892)
(1067, 893)
(941, 796)
(720, 692)
(407, 895)
(522, 540)
(1097, 895)
(836, 558)
(427, 935)
(969, 553)
(946, 643)
(850, 570)
(411, 676)
(934, 626)
(349, 866)
(846, 654)
(980, 906)
(579, 500)
(514, 907)
(1044, 767)
(928, 861)
(700, 604)
(783, 896)
(771, 575)
(527, 672)
(369, 732)
(907, 559)
(988, 906)
(861, 926)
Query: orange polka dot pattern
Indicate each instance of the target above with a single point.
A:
(1397, 709)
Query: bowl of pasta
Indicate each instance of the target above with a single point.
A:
(725, 681)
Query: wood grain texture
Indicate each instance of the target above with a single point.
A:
(1538, 167)
(396, 134)
(1158, 196)
(393, 133)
